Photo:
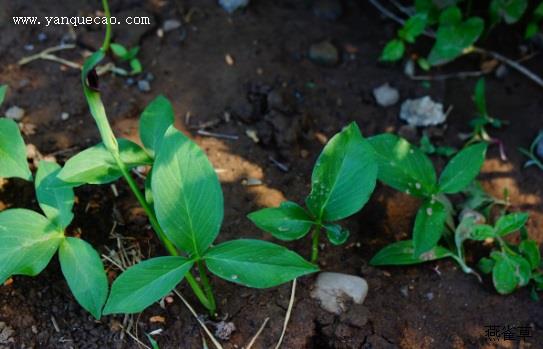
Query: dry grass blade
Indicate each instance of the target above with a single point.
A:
(287, 316)
(253, 340)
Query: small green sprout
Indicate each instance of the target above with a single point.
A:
(533, 26)
(343, 179)
(534, 153)
(407, 169)
(428, 148)
(128, 55)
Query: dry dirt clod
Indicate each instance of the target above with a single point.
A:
(6, 334)
(335, 290)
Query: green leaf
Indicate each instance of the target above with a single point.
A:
(12, 151)
(482, 232)
(503, 274)
(119, 50)
(28, 241)
(148, 190)
(187, 194)
(423, 64)
(96, 165)
(523, 270)
(429, 225)
(3, 90)
(154, 121)
(402, 253)
(486, 265)
(510, 223)
(454, 36)
(132, 53)
(336, 233)
(344, 176)
(510, 10)
(403, 166)
(530, 250)
(145, 283)
(255, 263)
(135, 64)
(287, 222)
(393, 51)
(85, 274)
(55, 200)
(462, 168)
(479, 97)
(413, 27)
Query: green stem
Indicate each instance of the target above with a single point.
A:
(210, 305)
(207, 286)
(107, 39)
(315, 244)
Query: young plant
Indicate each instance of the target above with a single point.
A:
(184, 203)
(533, 26)
(29, 240)
(407, 169)
(483, 119)
(535, 153)
(343, 179)
(429, 148)
(128, 55)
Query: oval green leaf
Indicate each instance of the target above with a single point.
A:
(187, 195)
(343, 177)
(287, 222)
(85, 274)
(145, 283)
(402, 253)
(157, 117)
(462, 168)
(255, 263)
(336, 233)
(510, 223)
(429, 225)
(12, 151)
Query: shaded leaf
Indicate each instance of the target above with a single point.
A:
(510, 223)
(429, 225)
(402, 253)
(336, 233)
(157, 117)
(287, 222)
(530, 250)
(462, 168)
(12, 151)
(393, 51)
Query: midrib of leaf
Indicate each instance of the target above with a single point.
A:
(336, 180)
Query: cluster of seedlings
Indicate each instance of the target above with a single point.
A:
(183, 200)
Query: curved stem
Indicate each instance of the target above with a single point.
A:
(315, 244)
(207, 286)
(107, 39)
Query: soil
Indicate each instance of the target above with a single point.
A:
(294, 105)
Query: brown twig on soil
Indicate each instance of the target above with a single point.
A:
(136, 339)
(287, 316)
(217, 135)
(253, 340)
(459, 75)
(47, 55)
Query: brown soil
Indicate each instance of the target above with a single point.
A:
(433, 305)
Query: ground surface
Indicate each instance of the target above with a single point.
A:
(430, 306)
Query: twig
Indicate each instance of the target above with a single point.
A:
(402, 8)
(213, 340)
(515, 65)
(135, 338)
(280, 165)
(287, 316)
(459, 75)
(48, 51)
(395, 18)
(253, 340)
(217, 135)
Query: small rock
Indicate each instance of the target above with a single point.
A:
(6, 334)
(328, 9)
(29, 47)
(409, 68)
(224, 330)
(64, 116)
(144, 86)
(170, 24)
(429, 296)
(276, 100)
(253, 134)
(15, 113)
(231, 6)
(149, 77)
(422, 112)
(324, 53)
(130, 82)
(42, 37)
(386, 95)
(468, 212)
(229, 59)
(404, 291)
(501, 71)
(251, 182)
(335, 290)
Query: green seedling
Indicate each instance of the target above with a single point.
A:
(343, 179)
(453, 38)
(184, 202)
(483, 120)
(508, 11)
(407, 169)
(428, 148)
(129, 56)
(534, 153)
(29, 240)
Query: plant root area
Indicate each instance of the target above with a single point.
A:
(249, 75)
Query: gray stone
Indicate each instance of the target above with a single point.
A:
(328, 9)
(385, 95)
(422, 112)
(231, 6)
(144, 86)
(15, 113)
(324, 53)
(170, 24)
(334, 291)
